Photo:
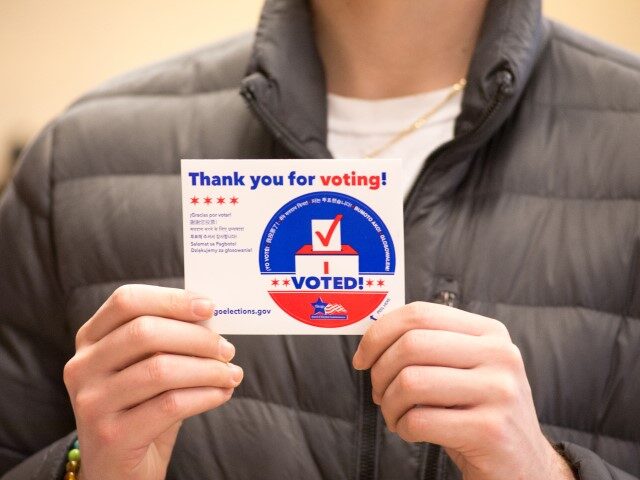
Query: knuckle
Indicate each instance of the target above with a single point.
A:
(500, 329)
(410, 341)
(158, 369)
(410, 426)
(141, 330)
(492, 428)
(506, 389)
(417, 311)
(480, 425)
(81, 336)
(107, 432)
(212, 339)
(505, 353)
(175, 303)
(217, 346)
(512, 356)
(85, 404)
(170, 404)
(408, 379)
(122, 298)
(71, 372)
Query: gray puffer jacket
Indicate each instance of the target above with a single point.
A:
(530, 216)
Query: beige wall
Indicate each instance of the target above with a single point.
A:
(51, 51)
(615, 21)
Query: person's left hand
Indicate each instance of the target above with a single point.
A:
(445, 376)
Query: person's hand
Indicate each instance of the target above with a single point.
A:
(449, 377)
(142, 365)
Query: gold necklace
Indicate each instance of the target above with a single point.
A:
(420, 121)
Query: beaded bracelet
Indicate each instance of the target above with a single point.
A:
(73, 462)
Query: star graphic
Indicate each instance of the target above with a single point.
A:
(369, 283)
(194, 200)
(286, 282)
(233, 200)
(275, 282)
(319, 306)
(220, 200)
(380, 283)
(207, 200)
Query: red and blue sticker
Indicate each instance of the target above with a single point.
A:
(326, 259)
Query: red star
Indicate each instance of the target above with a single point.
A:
(194, 200)
(380, 283)
(286, 282)
(234, 200)
(275, 282)
(220, 200)
(369, 283)
(207, 200)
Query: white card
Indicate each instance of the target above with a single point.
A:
(294, 246)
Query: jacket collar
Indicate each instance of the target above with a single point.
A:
(510, 43)
(285, 79)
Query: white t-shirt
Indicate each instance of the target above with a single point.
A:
(356, 127)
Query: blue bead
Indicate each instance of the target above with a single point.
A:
(76, 444)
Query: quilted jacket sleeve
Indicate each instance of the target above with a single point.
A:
(35, 341)
(590, 466)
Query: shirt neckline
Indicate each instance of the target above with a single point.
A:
(356, 116)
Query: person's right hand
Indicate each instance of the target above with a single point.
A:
(142, 365)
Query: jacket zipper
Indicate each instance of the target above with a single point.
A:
(504, 79)
(367, 467)
(446, 297)
(367, 462)
(432, 461)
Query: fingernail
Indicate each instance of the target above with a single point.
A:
(236, 373)
(356, 361)
(202, 307)
(226, 349)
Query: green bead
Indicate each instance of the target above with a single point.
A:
(74, 455)
(76, 444)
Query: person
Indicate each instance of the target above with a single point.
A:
(517, 353)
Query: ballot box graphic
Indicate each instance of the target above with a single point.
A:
(326, 255)
(326, 259)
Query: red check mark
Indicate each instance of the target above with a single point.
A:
(325, 240)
